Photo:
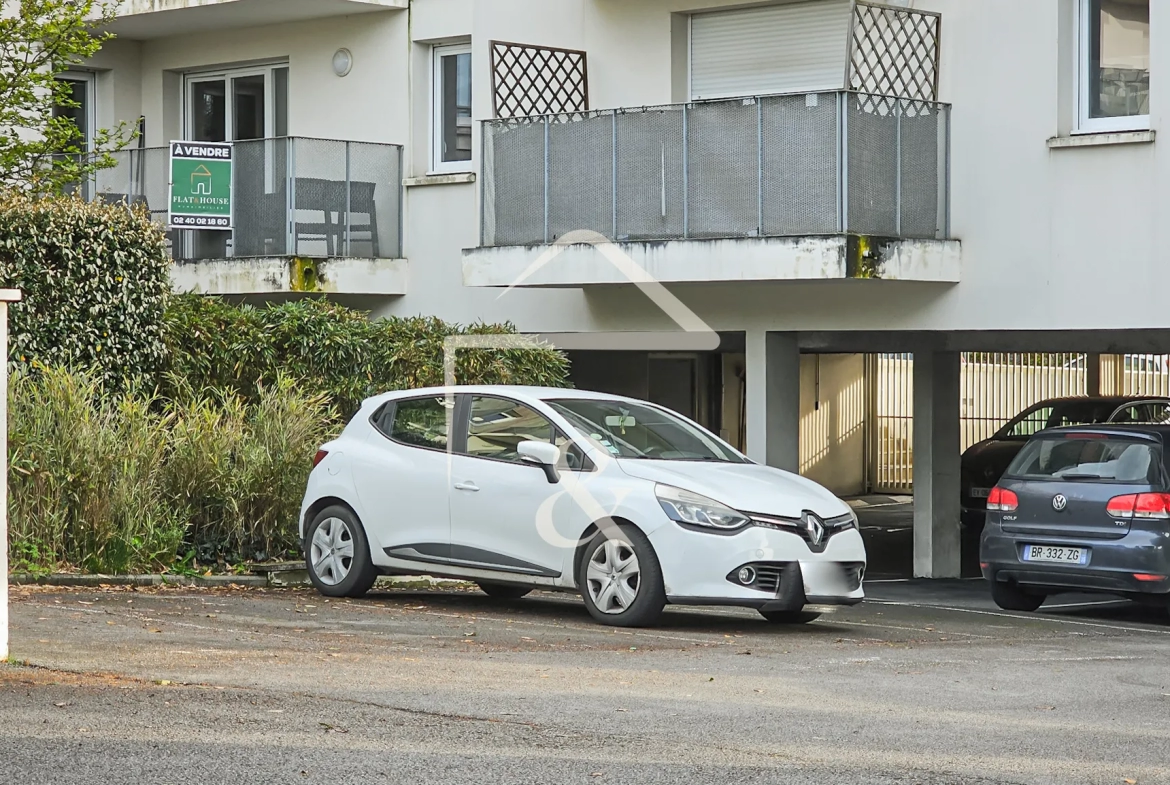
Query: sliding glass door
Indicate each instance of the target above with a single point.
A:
(243, 105)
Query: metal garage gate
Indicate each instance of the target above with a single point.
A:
(993, 389)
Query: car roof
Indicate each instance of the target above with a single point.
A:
(1114, 399)
(1119, 429)
(505, 390)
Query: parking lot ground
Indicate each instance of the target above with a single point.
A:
(924, 683)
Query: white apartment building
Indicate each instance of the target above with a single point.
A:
(819, 177)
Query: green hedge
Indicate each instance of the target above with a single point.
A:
(95, 280)
(332, 350)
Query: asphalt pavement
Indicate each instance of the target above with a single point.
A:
(923, 683)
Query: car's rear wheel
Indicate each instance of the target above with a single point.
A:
(790, 617)
(1012, 598)
(337, 554)
(621, 579)
(501, 591)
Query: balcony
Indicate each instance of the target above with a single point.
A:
(311, 215)
(831, 185)
(146, 19)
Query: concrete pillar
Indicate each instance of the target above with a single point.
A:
(936, 465)
(1092, 374)
(773, 399)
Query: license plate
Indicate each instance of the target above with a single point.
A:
(1058, 554)
(980, 493)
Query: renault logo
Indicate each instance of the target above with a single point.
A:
(1059, 502)
(814, 526)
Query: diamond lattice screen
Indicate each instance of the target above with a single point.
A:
(895, 52)
(534, 80)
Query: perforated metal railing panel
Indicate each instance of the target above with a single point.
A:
(785, 165)
(291, 195)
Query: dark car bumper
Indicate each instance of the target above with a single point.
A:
(1113, 565)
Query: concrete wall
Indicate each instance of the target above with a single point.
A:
(832, 421)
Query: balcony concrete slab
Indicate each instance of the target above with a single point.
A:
(149, 19)
(817, 258)
(286, 275)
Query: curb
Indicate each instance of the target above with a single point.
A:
(274, 579)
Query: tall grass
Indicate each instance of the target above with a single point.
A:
(128, 482)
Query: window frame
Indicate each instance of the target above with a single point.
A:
(378, 414)
(437, 165)
(1084, 123)
(463, 428)
(89, 79)
(226, 75)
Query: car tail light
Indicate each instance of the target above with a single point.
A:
(320, 456)
(1148, 578)
(1079, 435)
(1139, 505)
(1002, 500)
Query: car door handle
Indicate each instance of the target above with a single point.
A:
(466, 486)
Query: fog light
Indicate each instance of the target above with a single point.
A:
(747, 575)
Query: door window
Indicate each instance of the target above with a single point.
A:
(1030, 422)
(498, 426)
(422, 422)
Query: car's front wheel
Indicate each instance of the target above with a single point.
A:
(337, 554)
(621, 579)
(790, 617)
(1013, 598)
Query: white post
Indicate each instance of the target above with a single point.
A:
(6, 296)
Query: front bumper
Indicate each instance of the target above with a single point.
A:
(700, 568)
(1112, 568)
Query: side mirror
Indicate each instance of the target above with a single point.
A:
(542, 454)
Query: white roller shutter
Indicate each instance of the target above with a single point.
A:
(787, 48)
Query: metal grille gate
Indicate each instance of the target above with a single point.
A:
(993, 389)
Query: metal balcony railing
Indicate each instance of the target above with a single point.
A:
(292, 196)
(765, 166)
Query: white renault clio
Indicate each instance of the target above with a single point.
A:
(517, 488)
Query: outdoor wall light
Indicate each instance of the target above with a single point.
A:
(342, 62)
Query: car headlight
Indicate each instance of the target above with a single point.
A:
(695, 510)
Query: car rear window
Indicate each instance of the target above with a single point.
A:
(1084, 457)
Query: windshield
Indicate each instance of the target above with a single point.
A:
(1083, 456)
(630, 430)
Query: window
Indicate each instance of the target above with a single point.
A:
(81, 113)
(237, 105)
(1080, 459)
(1114, 64)
(498, 426)
(451, 123)
(1028, 423)
(422, 422)
(630, 430)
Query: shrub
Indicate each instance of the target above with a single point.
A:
(124, 483)
(333, 350)
(86, 475)
(95, 279)
(237, 472)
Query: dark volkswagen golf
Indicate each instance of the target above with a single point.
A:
(1081, 509)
